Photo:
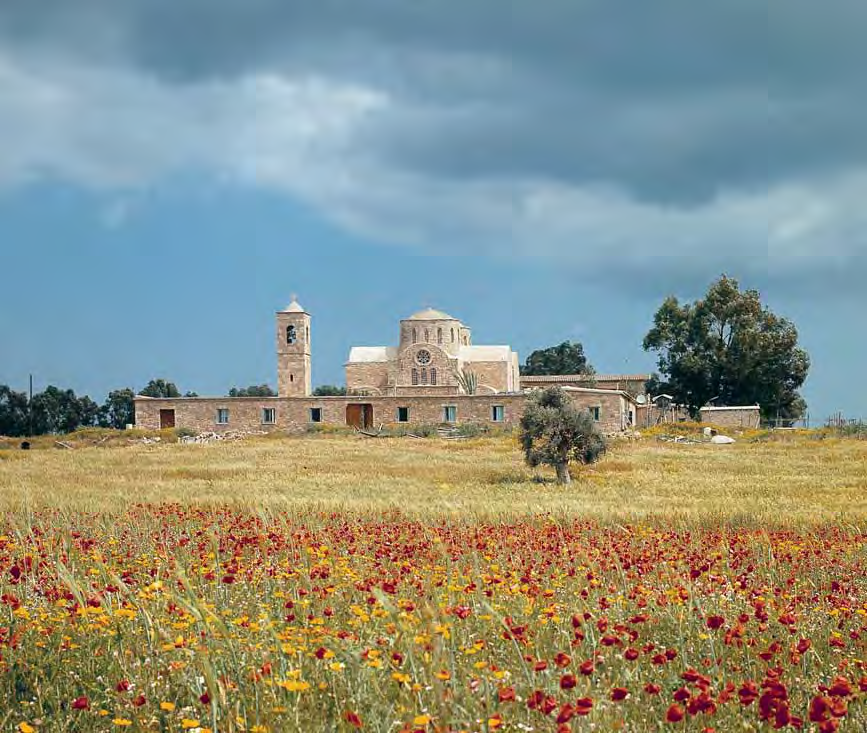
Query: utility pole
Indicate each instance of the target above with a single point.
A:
(30, 408)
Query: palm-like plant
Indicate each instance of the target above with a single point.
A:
(467, 380)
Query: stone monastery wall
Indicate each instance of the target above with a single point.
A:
(296, 413)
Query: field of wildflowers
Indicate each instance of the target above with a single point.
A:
(249, 616)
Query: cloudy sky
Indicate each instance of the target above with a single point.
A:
(170, 172)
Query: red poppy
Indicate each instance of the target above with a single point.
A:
(748, 692)
(586, 668)
(674, 714)
(682, 694)
(506, 694)
(619, 693)
(80, 703)
(352, 718)
(568, 681)
(562, 659)
(715, 622)
(567, 712)
(652, 689)
(840, 687)
(583, 706)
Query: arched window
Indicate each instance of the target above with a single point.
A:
(291, 335)
(439, 335)
(426, 336)
(414, 336)
(308, 334)
(415, 377)
(291, 377)
(453, 335)
(423, 375)
(433, 376)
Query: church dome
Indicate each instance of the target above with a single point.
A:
(430, 314)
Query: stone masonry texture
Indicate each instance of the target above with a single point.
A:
(294, 413)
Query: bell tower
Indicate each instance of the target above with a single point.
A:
(293, 351)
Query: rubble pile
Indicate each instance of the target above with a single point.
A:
(211, 437)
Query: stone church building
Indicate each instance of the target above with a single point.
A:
(434, 349)
(434, 375)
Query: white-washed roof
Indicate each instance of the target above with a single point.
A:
(485, 353)
(371, 354)
(710, 408)
(293, 307)
(430, 314)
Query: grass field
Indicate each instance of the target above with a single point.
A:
(336, 583)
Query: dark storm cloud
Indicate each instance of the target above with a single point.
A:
(673, 101)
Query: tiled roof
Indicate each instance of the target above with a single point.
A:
(587, 377)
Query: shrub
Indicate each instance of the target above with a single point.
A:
(472, 430)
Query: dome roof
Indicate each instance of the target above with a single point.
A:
(430, 314)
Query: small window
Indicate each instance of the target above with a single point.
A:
(439, 335)
(498, 413)
(291, 335)
(433, 376)
(308, 334)
(291, 377)
(414, 336)
(315, 414)
(450, 413)
(595, 412)
(403, 414)
(426, 336)
(415, 377)
(423, 375)
(223, 416)
(269, 415)
(453, 335)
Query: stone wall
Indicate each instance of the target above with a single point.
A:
(492, 374)
(245, 413)
(747, 416)
(368, 375)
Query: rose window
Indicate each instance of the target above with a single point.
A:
(423, 357)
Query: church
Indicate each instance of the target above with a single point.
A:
(434, 375)
(435, 355)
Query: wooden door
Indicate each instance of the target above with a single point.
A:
(354, 415)
(359, 416)
(167, 419)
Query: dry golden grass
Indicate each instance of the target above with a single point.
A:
(800, 481)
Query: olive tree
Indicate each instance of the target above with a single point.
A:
(554, 432)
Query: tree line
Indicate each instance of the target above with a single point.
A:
(55, 410)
